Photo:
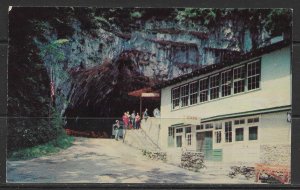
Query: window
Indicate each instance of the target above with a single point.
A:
(253, 75)
(228, 131)
(209, 126)
(189, 139)
(188, 130)
(179, 130)
(239, 134)
(203, 90)
(226, 83)
(184, 95)
(194, 93)
(239, 79)
(179, 141)
(214, 87)
(218, 135)
(218, 125)
(253, 133)
(175, 98)
(239, 121)
(171, 131)
(199, 127)
(253, 120)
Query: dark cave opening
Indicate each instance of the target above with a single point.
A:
(101, 96)
(91, 118)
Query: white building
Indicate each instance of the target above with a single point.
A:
(233, 112)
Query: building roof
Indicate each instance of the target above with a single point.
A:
(234, 60)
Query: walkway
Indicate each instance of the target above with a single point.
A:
(105, 161)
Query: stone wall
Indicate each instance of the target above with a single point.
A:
(192, 160)
(275, 154)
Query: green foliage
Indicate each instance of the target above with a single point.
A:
(276, 21)
(62, 142)
(136, 14)
(54, 49)
(279, 21)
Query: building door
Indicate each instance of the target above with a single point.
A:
(179, 141)
(204, 143)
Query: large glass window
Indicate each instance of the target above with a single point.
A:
(194, 92)
(228, 131)
(214, 87)
(253, 75)
(184, 95)
(253, 133)
(239, 79)
(175, 98)
(226, 83)
(203, 90)
(239, 134)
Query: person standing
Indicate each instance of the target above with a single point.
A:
(125, 120)
(145, 114)
(133, 119)
(116, 128)
(138, 121)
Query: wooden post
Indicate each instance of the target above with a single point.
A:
(141, 106)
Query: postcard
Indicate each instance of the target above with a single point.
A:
(149, 95)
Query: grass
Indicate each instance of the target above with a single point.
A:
(62, 142)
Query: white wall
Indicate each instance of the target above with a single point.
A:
(275, 91)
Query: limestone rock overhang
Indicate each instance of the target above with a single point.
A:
(234, 60)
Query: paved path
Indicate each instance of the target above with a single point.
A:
(105, 161)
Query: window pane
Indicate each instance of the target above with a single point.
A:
(226, 83)
(214, 87)
(184, 95)
(188, 130)
(203, 87)
(253, 133)
(175, 98)
(239, 134)
(194, 93)
(239, 79)
(179, 130)
(253, 75)
(218, 135)
(228, 131)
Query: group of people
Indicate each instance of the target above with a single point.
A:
(133, 120)
(130, 121)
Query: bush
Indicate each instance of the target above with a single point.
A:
(62, 142)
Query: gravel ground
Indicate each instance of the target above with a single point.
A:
(107, 161)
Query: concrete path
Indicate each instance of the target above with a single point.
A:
(106, 161)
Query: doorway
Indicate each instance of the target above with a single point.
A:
(204, 143)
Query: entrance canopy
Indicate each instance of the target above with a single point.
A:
(144, 93)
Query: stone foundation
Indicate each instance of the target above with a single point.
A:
(275, 154)
(155, 155)
(192, 160)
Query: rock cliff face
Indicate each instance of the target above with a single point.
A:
(94, 62)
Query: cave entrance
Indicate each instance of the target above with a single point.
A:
(99, 95)
(96, 120)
